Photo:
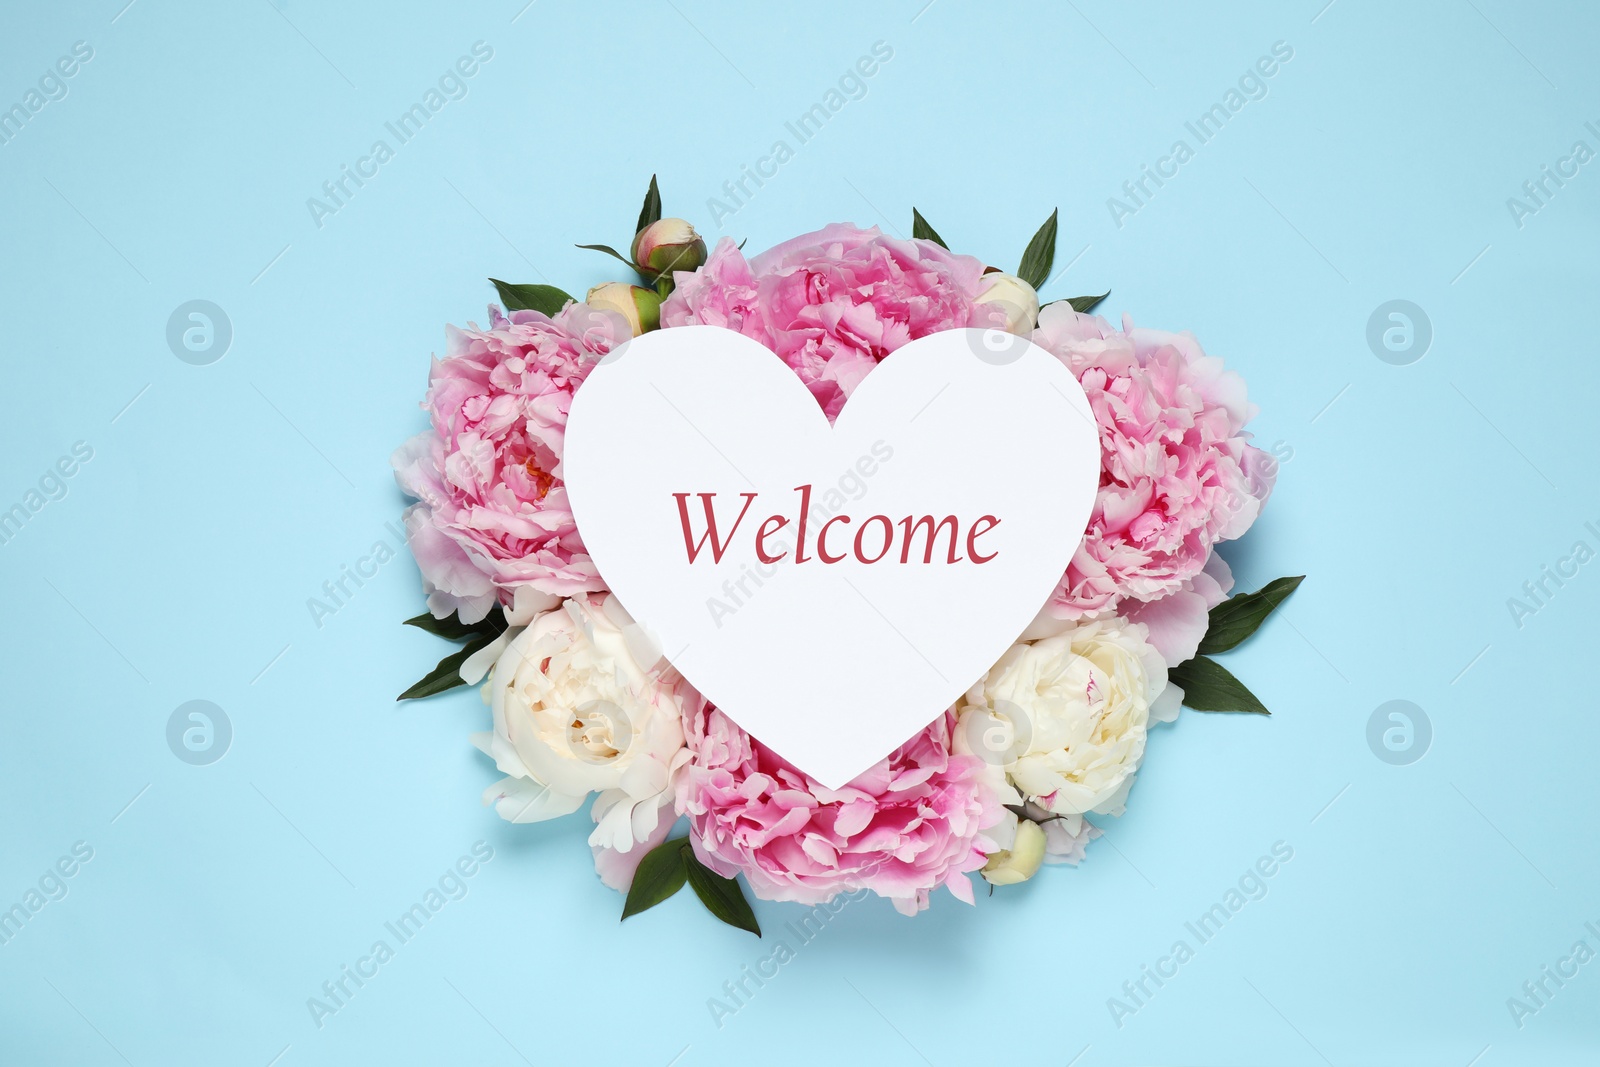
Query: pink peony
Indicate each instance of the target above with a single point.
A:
(913, 822)
(1177, 472)
(1178, 621)
(492, 514)
(834, 302)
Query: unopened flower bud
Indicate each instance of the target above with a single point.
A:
(667, 245)
(1014, 298)
(1021, 861)
(639, 306)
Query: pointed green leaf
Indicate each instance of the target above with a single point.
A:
(661, 874)
(451, 628)
(447, 675)
(651, 211)
(1239, 616)
(1209, 686)
(1085, 304)
(1040, 254)
(544, 298)
(723, 897)
(923, 232)
(608, 250)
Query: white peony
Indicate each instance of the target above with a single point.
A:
(581, 707)
(1066, 715)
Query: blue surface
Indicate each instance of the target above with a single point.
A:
(178, 563)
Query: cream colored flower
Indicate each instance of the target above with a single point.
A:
(1066, 715)
(581, 707)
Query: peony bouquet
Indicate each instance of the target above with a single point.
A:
(586, 711)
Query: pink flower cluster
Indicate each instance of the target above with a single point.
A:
(910, 824)
(492, 513)
(1178, 475)
(833, 303)
(491, 518)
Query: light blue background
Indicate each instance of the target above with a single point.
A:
(1418, 498)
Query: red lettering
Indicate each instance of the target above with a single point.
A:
(769, 550)
(771, 526)
(805, 508)
(718, 547)
(888, 537)
(822, 541)
(907, 525)
(987, 522)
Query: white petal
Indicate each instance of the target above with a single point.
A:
(528, 602)
(1164, 708)
(524, 800)
(477, 665)
(613, 816)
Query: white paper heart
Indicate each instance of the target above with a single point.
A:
(832, 664)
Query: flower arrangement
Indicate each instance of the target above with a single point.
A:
(1001, 783)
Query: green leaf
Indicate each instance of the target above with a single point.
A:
(722, 896)
(608, 250)
(450, 628)
(447, 675)
(661, 874)
(923, 232)
(651, 211)
(544, 298)
(1040, 254)
(1239, 616)
(1209, 686)
(1085, 304)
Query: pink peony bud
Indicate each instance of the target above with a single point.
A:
(667, 245)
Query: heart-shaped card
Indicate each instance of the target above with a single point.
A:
(833, 589)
